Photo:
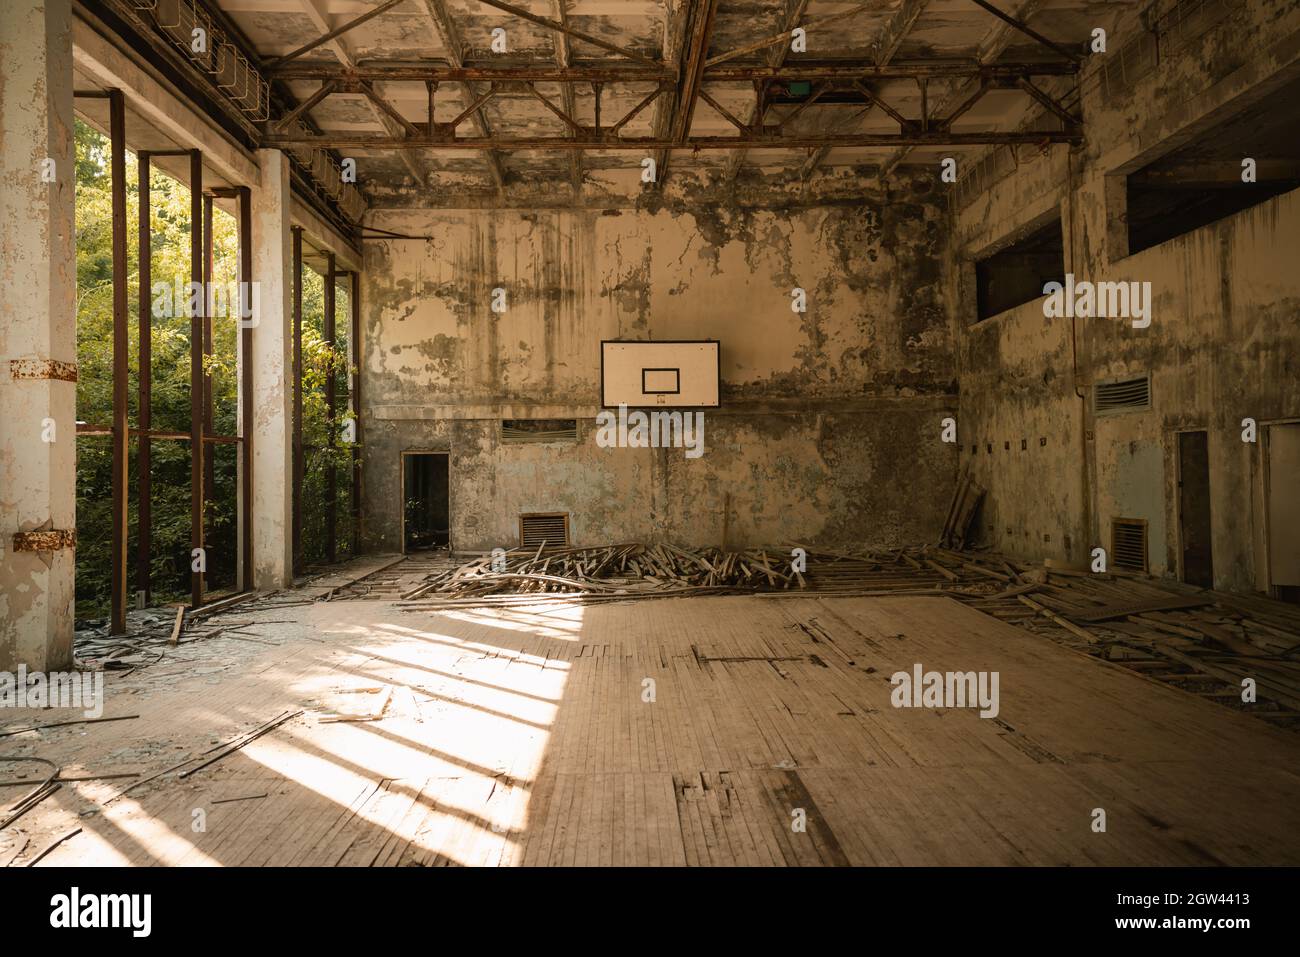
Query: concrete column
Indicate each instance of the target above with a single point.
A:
(272, 370)
(38, 336)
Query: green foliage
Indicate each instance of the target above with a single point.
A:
(170, 388)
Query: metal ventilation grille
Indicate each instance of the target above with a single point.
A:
(1128, 543)
(551, 528)
(1123, 396)
(539, 430)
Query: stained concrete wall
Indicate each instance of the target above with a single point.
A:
(1221, 345)
(830, 420)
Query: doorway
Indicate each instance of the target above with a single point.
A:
(1194, 508)
(1283, 453)
(426, 506)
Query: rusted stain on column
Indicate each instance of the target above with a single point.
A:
(49, 540)
(43, 369)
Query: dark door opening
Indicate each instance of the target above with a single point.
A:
(1194, 508)
(426, 509)
(1283, 511)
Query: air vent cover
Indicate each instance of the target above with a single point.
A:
(1128, 543)
(1125, 395)
(551, 528)
(539, 430)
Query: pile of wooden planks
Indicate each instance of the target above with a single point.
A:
(624, 570)
(642, 570)
(966, 499)
(1204, 642)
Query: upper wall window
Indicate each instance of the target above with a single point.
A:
(539, 430)
(1210, 178)
(1017, 273)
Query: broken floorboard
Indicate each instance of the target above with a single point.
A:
(681, 732)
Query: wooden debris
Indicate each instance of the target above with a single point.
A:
(235, 745)
(966, 498)
(635, 570)
(44, 788)
(1067, 604)
(1068, 626)
(64, 724)
(50, 847)
(176, 628)
(1172, 603)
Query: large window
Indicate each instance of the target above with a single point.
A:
(1202, 182)
(1017, 273)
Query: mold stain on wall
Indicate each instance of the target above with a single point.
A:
(877, 330)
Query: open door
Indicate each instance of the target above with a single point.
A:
(426, 507)
(1284, 511)
(1194, 508)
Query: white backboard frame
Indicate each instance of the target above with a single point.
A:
(660, 373)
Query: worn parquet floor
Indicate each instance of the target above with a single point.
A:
(696, 731)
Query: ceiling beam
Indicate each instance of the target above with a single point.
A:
(1017, 24)
(326, 88)
(896, 29)
(445, 72)
(317, 16)
(694, 49)
(335, 33)
(913, 136)
(677, 22)
(992, 46)
(1212, 174)
(445, 29)
(782, 38)
(570, 98)
(794, 11)
(567, 30)
(887, 44)
(799, 70)
(636, 110)
(567, 118)
(693, 68)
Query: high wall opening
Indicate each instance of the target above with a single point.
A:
(1236, 163)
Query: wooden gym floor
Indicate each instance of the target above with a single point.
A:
(508, 737)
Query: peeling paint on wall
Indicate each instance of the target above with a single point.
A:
(442, 367)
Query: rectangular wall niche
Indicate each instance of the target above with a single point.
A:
(522, 431)
(1203, 182)
(1017, 273)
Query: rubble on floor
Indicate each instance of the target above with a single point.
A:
(640, 570)
(1205, 642)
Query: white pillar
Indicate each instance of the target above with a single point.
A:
(38, 336)
(272, 376)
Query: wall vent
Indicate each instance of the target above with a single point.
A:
(1125, 395)
(549, 527)
(515, 431)
(1128, 543)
